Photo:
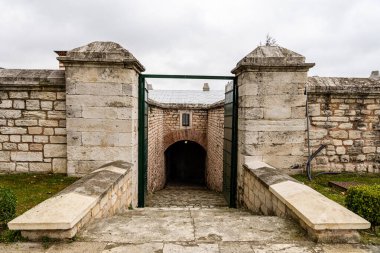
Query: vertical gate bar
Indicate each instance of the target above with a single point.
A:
(141, 142)
(234, 144)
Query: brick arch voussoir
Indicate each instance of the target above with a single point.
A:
(182, 135)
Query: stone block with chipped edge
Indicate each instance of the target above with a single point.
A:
(59, 216)
(316, 210)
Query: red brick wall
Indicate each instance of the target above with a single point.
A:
(156, 159)
(215, 132)
(164, 129)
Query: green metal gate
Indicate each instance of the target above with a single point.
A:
(230, 138)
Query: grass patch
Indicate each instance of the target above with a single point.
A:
(320, 184)
(30, 190)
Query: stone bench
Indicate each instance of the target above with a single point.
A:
(271, 192)
(101, 193)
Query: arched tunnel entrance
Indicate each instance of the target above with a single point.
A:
(185, 163)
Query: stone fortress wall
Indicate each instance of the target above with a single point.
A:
(94, 101)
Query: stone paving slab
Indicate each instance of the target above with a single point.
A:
(174, 247)
(188, 230)
(191, 225)
(186, 196)
(235, 225)
(139, 226)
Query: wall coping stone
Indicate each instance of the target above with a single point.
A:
(64, 210)
(342, 85)
(101, 53)
(272, 59)
(32, 79)
(268, 175)
(314, 209)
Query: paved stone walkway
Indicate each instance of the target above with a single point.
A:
(181, 228)
(186, 196)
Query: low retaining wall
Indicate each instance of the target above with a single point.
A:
(99, 194)
(271, 192)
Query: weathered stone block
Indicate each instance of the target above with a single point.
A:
(367, 150)
(277, 111)
(10, 114)
(98, 88)
(58, 139)
(26, 122)
(60, 105)
(354, 134)
(27, 156)
(46, 105)
(44, 95)
(5, 156)
(32, 104)
(59, 165)
(40, 139)
(19, 104)
(103, 139)
(317, 133)
(6, 104)
(34, 115)
(345, 126)
(12, 130)
(99, 125)
(21, 94)
(56, 115)
(339, 134)
(48, 123)
(55, 150)
(81, 153)
(22, 167)
(40, 167)
(35, 130)
(99, 101)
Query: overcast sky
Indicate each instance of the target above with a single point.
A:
(195, 36)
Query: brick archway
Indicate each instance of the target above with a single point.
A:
(181, 135)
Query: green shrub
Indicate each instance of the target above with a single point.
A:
(365, 201)
(7, 205)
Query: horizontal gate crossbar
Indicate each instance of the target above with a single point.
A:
(188, 77)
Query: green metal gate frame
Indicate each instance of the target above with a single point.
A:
(143, 133)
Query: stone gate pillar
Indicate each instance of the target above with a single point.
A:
(272, 123)
(101, 105)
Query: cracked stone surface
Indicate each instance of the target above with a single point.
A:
(190, 225)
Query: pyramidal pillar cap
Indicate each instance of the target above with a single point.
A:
(101, 53)
(272, 59)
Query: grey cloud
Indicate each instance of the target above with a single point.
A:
(197, 36)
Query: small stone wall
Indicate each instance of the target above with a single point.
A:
(345, 115)
(32, 121)
(215, 134)
(100, 194)
(269, 191)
